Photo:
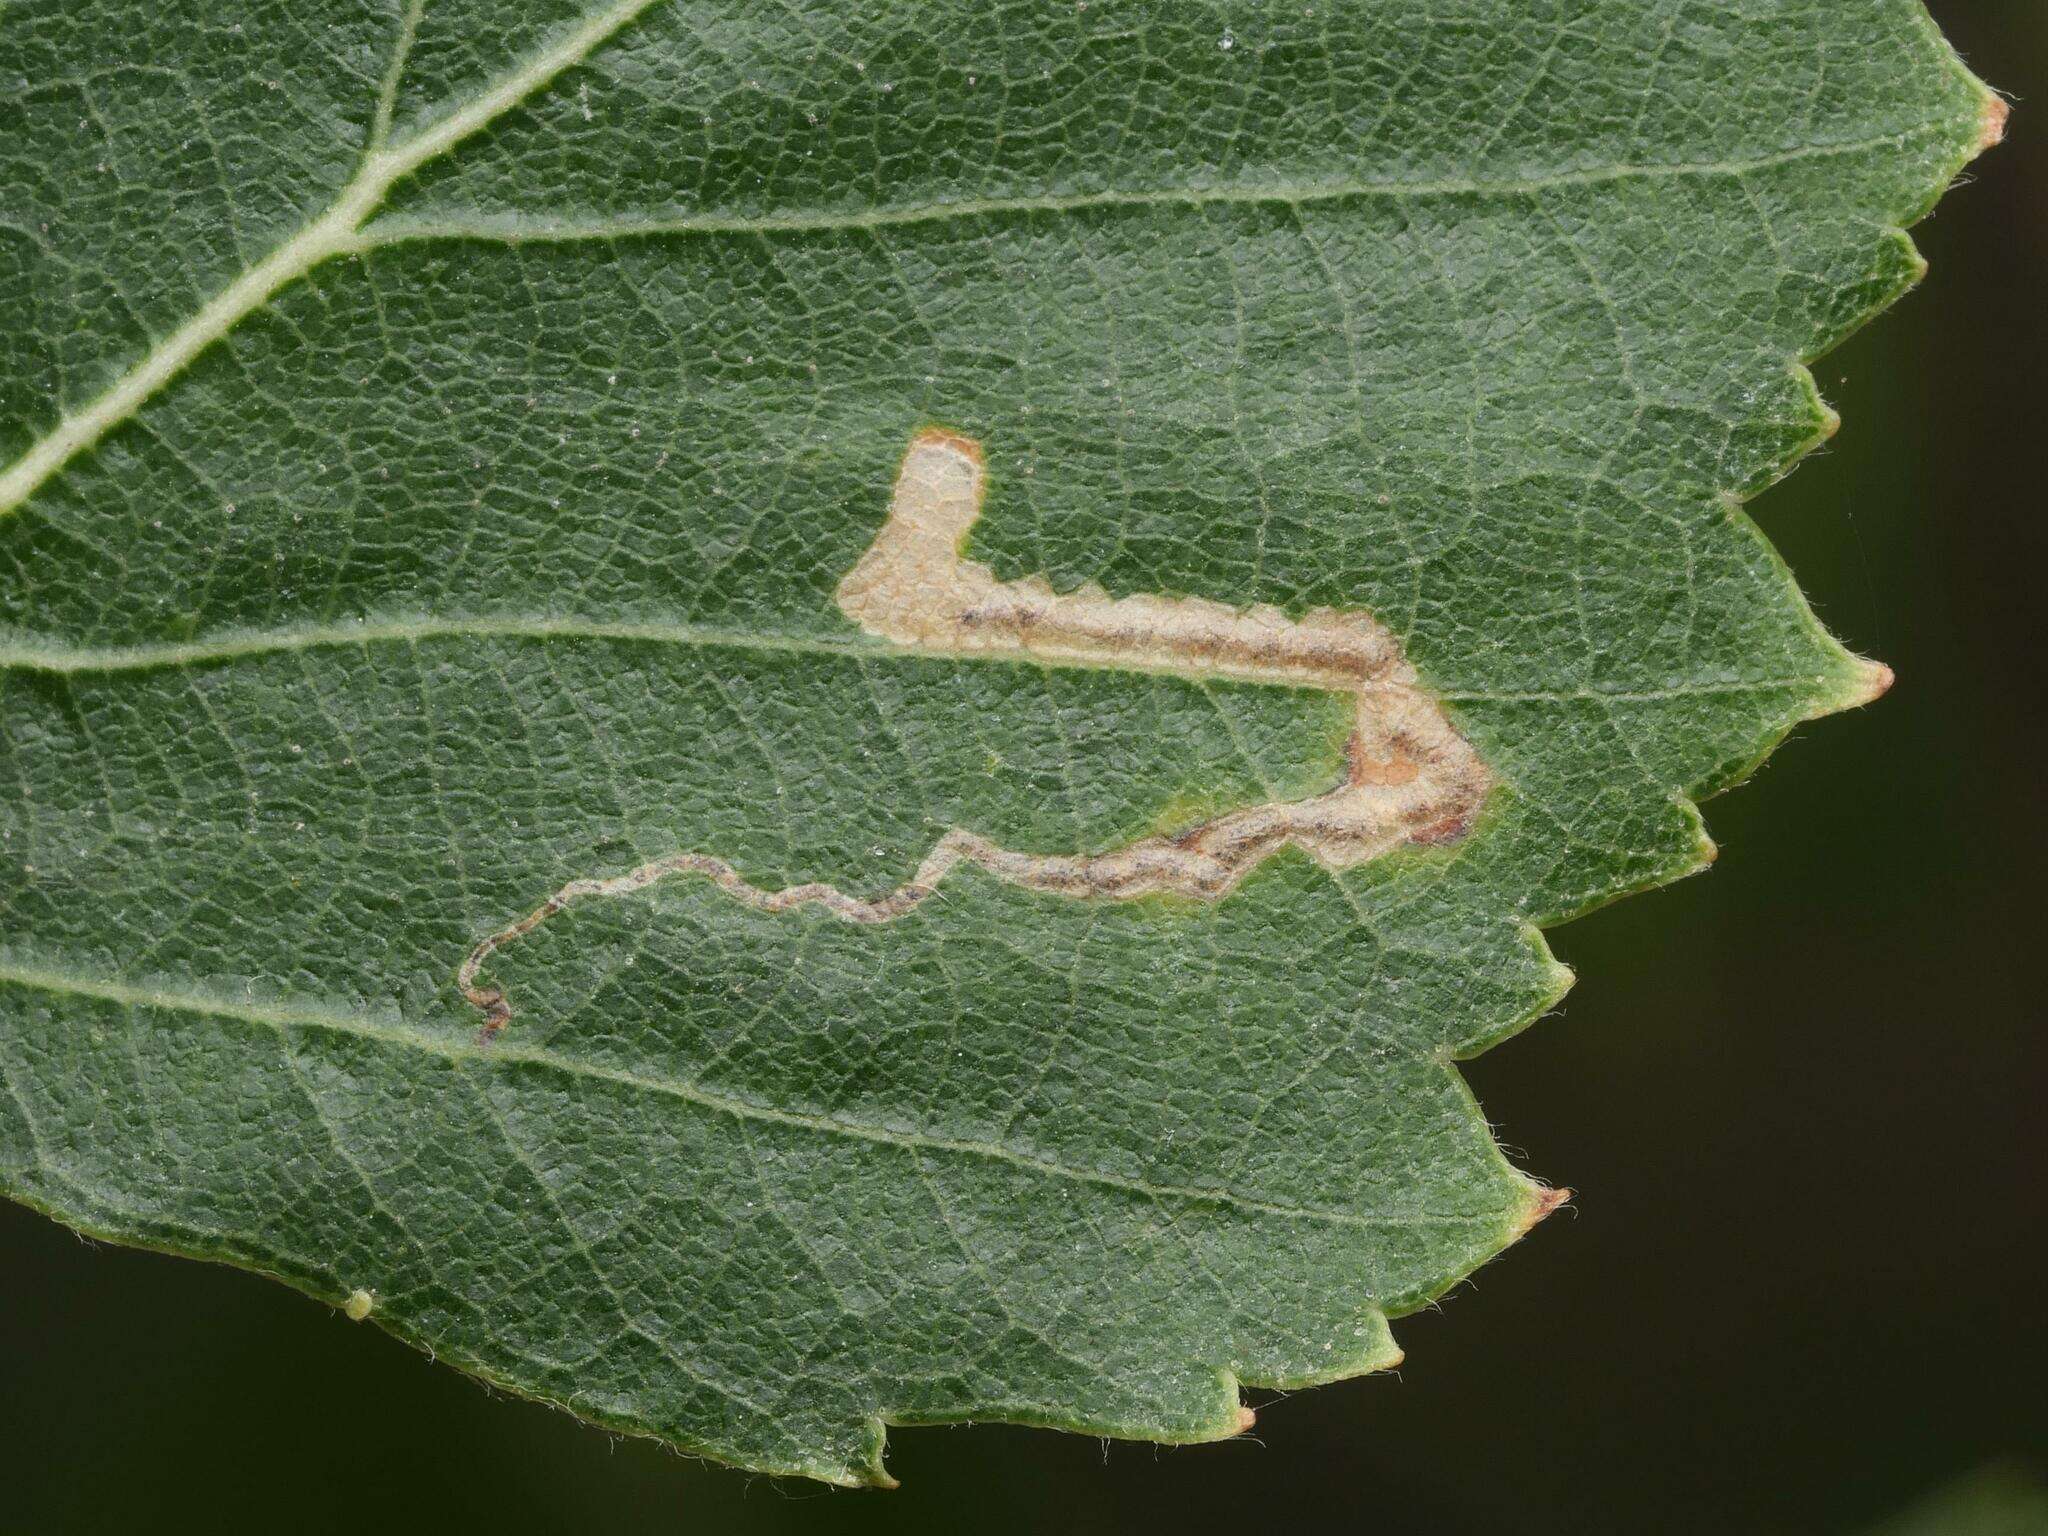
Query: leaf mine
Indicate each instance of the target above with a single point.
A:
(1411, 777)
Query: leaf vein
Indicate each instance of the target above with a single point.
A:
(461, 1052)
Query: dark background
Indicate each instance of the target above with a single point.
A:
(1801, 1099)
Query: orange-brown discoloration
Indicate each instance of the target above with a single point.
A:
(1544, 1202)
(1992, 124)
(1388, 772)
(953, 442)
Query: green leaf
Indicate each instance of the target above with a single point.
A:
(524, 817)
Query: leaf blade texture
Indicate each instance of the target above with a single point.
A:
(436, 437)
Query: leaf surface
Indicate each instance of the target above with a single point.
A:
(468, 846)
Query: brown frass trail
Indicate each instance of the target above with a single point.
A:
(1410, 778)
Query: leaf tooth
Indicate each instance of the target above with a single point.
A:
(1991, 121)
(1872, 681)
(1542, 1201)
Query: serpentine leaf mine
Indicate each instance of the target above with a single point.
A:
(1410, 776)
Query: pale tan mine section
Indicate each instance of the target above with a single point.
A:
(1411, 777)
